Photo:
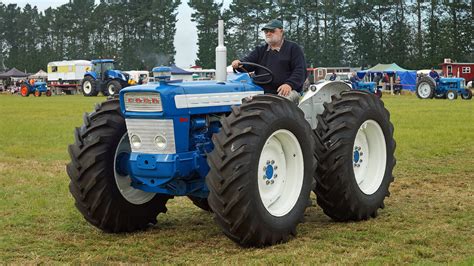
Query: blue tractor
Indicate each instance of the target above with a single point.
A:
(444, 88)
(368, 87)
(103, 77)
(37, 89)
(250, 159)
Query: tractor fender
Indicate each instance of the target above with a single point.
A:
(312, 102)
(91, 74)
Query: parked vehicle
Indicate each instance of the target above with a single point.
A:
(251, 159)
(66, 76)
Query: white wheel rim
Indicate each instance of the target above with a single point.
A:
(111, 89)
(280, 172)
(424, 90)
(131, 194)
(369, 157)
(450, 95)
(87, 87)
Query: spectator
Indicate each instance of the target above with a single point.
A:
(354, 80)
(333, 76)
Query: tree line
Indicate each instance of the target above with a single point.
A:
(140, 33)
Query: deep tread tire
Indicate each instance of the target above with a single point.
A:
(421, 85)
(337, 191)
(92, 180)
(233, 178)
(93, 91)
(201, 203)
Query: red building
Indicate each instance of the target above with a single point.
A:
(461, 70)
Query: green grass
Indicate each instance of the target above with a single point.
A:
(428, 219)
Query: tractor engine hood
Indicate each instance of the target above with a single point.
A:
(177, 98)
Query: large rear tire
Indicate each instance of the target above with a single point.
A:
(425, 88)
(354, 141)
(24, 91)
(102, 192)
(89, 87)
(261, 171)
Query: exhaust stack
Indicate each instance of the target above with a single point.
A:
(221, 54)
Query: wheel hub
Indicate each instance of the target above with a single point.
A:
(369, 157)
(281, 172)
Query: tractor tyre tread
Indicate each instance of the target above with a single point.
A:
(336, 191)
(92, 181)
(232, 179)
(467, 95)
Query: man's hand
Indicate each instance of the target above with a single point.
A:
(284, 90)
(236, 64)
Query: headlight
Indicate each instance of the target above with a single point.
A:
(143, 102)
(160, 142)
(135, 141)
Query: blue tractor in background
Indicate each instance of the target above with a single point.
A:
(37, 89)
(250, 159)
(444, 88)
(103, 77)
(367, 86)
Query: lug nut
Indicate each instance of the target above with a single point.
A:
(264, 177)
(276, 167)
(273, 161)
(268, 182)
(268, 162)
(264, 168)
(361, 153)
(273, 181)
(275, 176)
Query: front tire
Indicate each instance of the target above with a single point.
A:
(113, 87)
(466, 95)
(451, 95)
(89, 87)
(354, 141)
(102, 192)
(261, 171)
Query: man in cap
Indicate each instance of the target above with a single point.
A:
(284, 58)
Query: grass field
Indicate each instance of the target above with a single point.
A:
(428, 219)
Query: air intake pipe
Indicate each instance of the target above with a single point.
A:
(221, 54)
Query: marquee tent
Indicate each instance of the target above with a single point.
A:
(13, 73)
(407, 77)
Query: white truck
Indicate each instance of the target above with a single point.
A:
(66, 76)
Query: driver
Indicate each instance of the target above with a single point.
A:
(283, 57)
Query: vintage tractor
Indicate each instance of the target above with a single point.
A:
(445, 88)
(104, 78)
(37, 89)
(368, 87)
(250, 159)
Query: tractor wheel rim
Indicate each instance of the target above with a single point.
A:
(280, 172)
(24, 91)
(124, 182)
(111, 89)
(369, 157)
(450, 95)
(424, 90)
(87, 87)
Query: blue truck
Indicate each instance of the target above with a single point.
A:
(103, 77)
(249, 158)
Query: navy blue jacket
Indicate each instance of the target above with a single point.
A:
(288, 65)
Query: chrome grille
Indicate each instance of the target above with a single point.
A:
(143, 102)
(147, 130)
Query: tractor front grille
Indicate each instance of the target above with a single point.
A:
(143, 102)
(147, 130)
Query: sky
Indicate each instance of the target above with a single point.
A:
(185, 40)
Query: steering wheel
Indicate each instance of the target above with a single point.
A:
(254, 77)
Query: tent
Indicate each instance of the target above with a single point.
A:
(179, 71)
(39, 75)
(13, 73)
(407, 77)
